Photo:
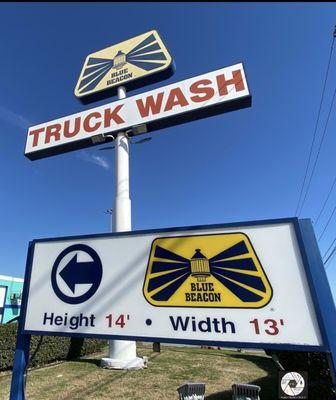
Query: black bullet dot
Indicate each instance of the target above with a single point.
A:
(148, 322)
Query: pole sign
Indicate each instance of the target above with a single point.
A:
(202, 96)
(255, 284)
(135, 62)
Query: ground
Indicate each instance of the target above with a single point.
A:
(173, 367)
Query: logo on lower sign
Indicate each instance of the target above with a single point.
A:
(217, 270)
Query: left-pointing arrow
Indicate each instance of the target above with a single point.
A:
(75, 273)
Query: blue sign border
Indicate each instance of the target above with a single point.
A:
(314, 269)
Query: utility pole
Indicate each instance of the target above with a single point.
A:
(110, 212)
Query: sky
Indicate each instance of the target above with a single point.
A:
(244, 165)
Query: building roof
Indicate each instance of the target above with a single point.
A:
(10, 278)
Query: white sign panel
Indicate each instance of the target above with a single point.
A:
(226, 284)
(198, 97)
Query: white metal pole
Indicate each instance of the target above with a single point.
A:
(122, 353)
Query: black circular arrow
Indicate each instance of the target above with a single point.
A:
(74, 273)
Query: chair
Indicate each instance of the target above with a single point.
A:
(191, 391)
(245, 392)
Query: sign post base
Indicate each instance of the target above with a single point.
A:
(21, 360)
(116, 363)
(122, 355)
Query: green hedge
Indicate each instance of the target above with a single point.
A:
(319, 377)
(52, 348)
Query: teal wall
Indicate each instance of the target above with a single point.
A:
(11, 308)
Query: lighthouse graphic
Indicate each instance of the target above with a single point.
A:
(200, 266)
(119, 60)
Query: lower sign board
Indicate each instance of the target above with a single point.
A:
(255, 284)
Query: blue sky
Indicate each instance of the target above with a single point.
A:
(244, 165)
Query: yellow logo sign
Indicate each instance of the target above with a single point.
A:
(141, 56)
(218, 270)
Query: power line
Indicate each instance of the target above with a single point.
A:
(326, 260)
(324, 255)
(325, 202)
(330, 257)
(316, 125)
(327, 224)
(318, 152)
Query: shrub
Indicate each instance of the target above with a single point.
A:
(7, 345)
(45, 350)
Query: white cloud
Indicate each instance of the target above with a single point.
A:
(92, 158)
(13, 118)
